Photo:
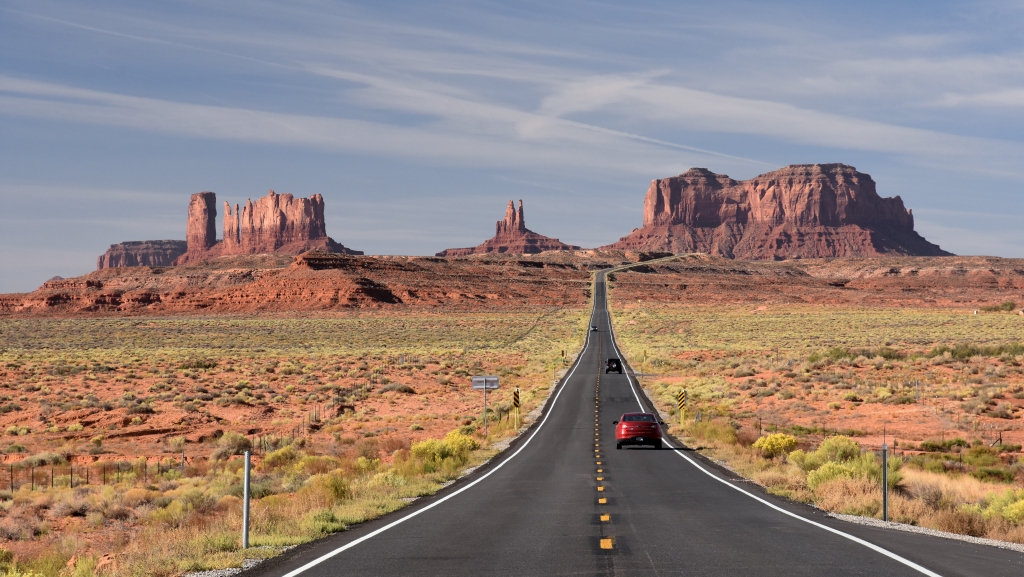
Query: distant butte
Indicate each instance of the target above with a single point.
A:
(800, 211)
(274, 224)
(512, 236)
(142, 253)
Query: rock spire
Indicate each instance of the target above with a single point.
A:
(201, 230)
(512, 236)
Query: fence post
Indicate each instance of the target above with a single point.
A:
(885, 482)
(245, 504)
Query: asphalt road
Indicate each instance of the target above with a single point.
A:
(563, 501)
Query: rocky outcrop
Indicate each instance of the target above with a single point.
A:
(201, 230)
(276, 223)
(512, 236)
(142, 253)
(801, 211)
(318, 281)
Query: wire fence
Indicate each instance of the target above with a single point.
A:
(20, 476)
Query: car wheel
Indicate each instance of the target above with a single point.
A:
(657, 445)
(618, 445)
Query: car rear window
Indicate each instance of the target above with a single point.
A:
(641, 418)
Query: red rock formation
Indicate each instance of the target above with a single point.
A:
(512, 236)
(276, 223)
(801, 211)
(142, 253)
(201, 230)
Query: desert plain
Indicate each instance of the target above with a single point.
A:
(129, 394)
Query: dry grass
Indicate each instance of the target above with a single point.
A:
(238, 375)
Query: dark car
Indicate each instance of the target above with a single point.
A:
(638, 429)
(593, 327)
(613, 366)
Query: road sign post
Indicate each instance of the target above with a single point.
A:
(681, 404)
(483, 383)
(516, 404)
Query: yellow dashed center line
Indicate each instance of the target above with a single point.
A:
(603, 501)
(608, 543)
(600, 489)
(600, 470)
(605, 518)
(600, 478)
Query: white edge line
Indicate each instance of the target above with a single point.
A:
(858, 540)
(347, 546)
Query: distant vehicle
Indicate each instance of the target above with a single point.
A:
(593, 327)
(613, 365)
(638, 429)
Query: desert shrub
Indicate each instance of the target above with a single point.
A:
(231, 443)
(965, 351)
(993, 474)
(1009, 505)
(40, 459)
(314, 465)
(280, 458)
(397, 388)
(837, 449)
(199, 364)
(942, 446)
(1003, 307)
(453, 450)
(830, 471)
(775, 444)
(332, 486)
(182, 507)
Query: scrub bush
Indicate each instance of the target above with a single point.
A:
(775, 444)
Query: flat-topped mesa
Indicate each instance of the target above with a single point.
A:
(800, 211)
(512, 236)
(142, 253)
(276, 223)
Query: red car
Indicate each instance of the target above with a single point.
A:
(638, 429)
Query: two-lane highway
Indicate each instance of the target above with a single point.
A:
(564, 501)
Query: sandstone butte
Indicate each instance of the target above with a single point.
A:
(512, 236)
(800, 211)
(276, 223)
(142, 253)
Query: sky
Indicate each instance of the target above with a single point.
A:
(417, 122)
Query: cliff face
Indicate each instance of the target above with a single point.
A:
(801, 211)
(276, 223)
(142, 253)
(201, 230)
(512, 236)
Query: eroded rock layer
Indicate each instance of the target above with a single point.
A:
(511, 236)
(801, 211)
(142, 253)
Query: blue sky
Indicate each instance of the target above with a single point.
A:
(417, 122)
